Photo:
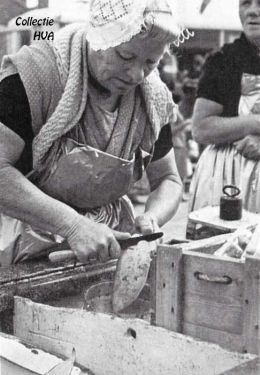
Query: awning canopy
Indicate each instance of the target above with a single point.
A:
(218, 15)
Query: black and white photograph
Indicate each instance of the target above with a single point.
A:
(130, 187)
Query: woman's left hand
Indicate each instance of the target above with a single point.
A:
(146, 223)
(249, 147)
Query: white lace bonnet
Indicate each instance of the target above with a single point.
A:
(112, 22)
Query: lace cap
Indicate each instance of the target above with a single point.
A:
(113, 22)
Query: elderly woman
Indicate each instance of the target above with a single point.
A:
(79, 123)
(227, 117)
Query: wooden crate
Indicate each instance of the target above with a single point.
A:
(215, 299)
(43, 281)
(109, 345)
(205, 222)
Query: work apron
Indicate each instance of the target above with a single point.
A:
(87, 179)
(221, 165)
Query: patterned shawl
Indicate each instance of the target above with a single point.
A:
(56, 82)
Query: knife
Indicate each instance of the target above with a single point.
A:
(132, 241)
(62, 253)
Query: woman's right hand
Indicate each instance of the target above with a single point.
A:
(87, 238)
(249, 147)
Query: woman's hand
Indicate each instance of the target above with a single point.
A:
(146, 223)
(87, 238)
(249, 147)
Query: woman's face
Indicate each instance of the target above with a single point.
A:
(121, 68)
(249, 11)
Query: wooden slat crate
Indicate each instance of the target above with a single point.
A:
(43, 281)
(212, 298)
(108, 345)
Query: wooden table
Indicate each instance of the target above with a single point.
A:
(208, 217)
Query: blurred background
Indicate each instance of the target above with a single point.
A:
(217, 24)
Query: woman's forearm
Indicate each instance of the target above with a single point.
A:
(20, 199)
(221, 130)
(209, 127)
(163, 202)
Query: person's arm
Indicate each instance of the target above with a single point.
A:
(20, 199)
(165, 196)
(210, 128)
(218, 85)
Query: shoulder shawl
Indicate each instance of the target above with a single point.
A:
(55, 78)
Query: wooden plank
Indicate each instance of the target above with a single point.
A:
(108, 345)
(168, 312)
(16, 358)
(210, 216)
(27, 269)
(40, 284)
(229, 341)
(252, 306)
(199, 231)
(206, 245)
(228, 314)
(207, 314)
(209, 303)
(213, 267)
(151, 280)
(42, 268)
(249, 368)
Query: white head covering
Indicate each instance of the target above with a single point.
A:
(113, 22)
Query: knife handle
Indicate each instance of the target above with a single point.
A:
(61, 252)
(62, 256)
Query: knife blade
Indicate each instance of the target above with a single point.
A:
(132, 241)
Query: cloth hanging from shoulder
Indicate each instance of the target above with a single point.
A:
(55, 77)
(118, 133)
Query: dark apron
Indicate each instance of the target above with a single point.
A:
(85, 177)
(91, 181)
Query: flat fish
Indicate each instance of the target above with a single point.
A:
(131, 274)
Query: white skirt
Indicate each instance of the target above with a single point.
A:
(223, 165)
